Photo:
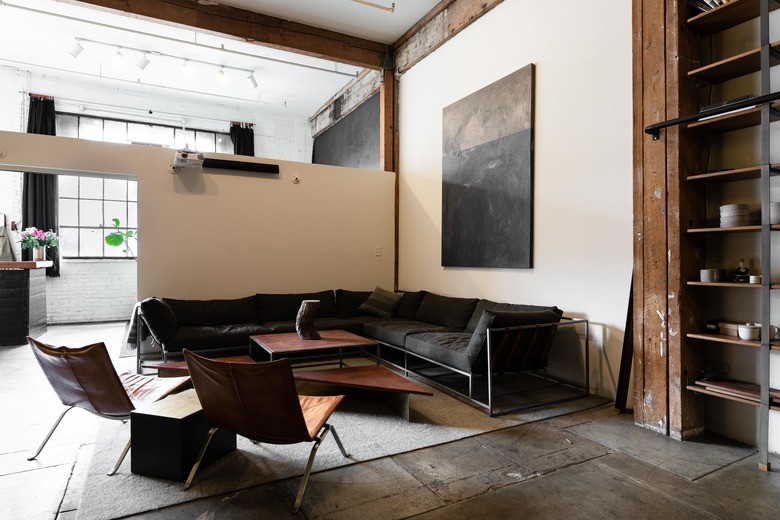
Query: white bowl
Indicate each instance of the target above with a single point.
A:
(733, 212)
(728, 207)
(734, 221)
(749, 331)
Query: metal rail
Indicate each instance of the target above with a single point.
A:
(655, 129)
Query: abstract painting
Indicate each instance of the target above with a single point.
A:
(487, 178)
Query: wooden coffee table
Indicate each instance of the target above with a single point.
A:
(268, 347)
(388, 387)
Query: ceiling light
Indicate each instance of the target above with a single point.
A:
(143, 62)
(221, 75)
(119, 58)
(186, 68)
(251, 80)
(372, 4)
(76, 50)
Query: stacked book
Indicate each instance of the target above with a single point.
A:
(707, 5)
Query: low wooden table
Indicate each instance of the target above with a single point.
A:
(179, 368)
(168, 434)
(268, 347)
(389, 387)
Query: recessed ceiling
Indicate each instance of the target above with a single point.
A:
(288, 83)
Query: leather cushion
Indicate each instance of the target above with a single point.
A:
(347, 302)
(160, 319)
(284, 307)
(394, 332)
(410, 303)
(446, 311)
(214, 312)
(505, 307)
(448, 348)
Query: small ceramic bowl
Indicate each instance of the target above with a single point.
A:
(749, 331)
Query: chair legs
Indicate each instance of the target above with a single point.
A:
(202, 452)
(121, 458)
(48, 436)
(310, 463)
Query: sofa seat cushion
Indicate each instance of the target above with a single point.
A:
(213, 312)
(204, 337)
(394, 332)
(447, 348)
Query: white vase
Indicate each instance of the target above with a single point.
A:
(39, 253)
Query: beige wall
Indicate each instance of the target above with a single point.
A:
(222, 234)
(582, 163)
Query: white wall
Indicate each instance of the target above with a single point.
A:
(582, 163)
(228, 234)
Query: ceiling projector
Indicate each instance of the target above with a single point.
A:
(186, 159)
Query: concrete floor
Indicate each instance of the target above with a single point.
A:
(592, 464)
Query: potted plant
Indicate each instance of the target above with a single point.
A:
(38, 241)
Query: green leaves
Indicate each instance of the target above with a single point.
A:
(119, 237)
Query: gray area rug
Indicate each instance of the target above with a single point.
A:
(368, 430)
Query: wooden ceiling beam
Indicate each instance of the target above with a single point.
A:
(257, 28)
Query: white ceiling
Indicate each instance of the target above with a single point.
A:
(36, 35)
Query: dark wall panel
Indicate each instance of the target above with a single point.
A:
(353, 141)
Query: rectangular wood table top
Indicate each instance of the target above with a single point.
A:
(290, 342)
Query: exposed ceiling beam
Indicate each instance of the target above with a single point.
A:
(257, 28)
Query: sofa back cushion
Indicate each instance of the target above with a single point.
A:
(496, 319)
(213, 312)
(446, 311)
(348, 302)
(160, 319)
(505, 307)
(410, 304)
(284, 307)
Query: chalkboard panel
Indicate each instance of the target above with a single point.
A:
(487, 178)
(353, 141)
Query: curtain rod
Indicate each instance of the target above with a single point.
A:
(41, 96)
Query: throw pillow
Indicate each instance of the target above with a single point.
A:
(381, 303)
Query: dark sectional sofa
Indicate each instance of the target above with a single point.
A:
(443, 331)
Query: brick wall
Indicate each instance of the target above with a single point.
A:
(92, 291)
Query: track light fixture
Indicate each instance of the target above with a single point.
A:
(251, 80)
(76, 49)
(186, 69)
(143, 62)
(390, 9)
(221, 75)
(119, 58)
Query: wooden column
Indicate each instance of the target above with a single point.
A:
(665, 257)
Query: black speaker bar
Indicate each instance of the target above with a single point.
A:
(244, 166)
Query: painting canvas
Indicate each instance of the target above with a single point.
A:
(487, 178)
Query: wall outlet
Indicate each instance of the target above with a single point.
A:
(377, 251)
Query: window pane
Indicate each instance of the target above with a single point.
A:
(91, 188)
(68, 186)
(69, 212)
(185, 139)
(204, 142)
(90, 128)
(91, 242)
(150, 134)
(132, 219)
(116, 189)
(114, 209)
(91, 213)
(69, 245)
(132, 190)
(67, 126)
(224, 144)
(115, 132)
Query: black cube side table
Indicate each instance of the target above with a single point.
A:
(167, 435)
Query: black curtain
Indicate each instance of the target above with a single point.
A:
(243, 138)
(39, 191)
